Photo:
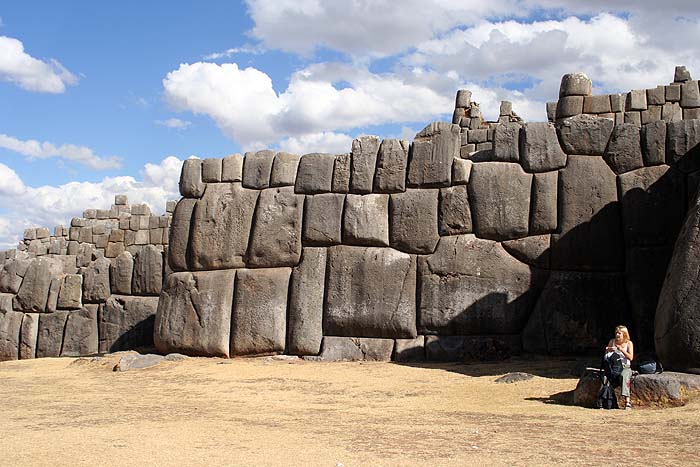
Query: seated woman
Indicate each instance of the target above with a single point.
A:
(624, 346)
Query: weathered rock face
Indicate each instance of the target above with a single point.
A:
(148, 271)
(624, 151)
(350, 349)
(390, 176)
(455, 215)
(96, 281)
(413, 221)
(323, 219)
(366, 220)
(34, 293)
(585, 135)
(363, 163)
(50, 334)
(180, 234)
(80, 335)
(433, 150)
(10, 324)
(127, 323)
(284, 169)
(306, 293)
(121, 272)
(257, 168)
(539, 148)
(315, 173)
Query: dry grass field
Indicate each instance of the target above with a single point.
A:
(289, 412)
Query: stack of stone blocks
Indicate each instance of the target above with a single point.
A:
(89, 288)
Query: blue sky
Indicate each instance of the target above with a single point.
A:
(100, 98)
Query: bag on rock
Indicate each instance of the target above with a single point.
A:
(606, 397)
(612, 367)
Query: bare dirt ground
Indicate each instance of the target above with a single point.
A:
(263, 411)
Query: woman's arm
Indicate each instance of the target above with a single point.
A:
(611, 345)
(629, 354)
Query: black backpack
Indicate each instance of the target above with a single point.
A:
(612, 367)
(606, 397)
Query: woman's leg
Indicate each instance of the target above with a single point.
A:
(626, 383)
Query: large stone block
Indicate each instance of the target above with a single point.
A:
(362, 163)
(191, 184)
(257, 168)
(392, 159)
(50, 334)
(11, 275)
(80, 335)
(652, 200)
(575, 84)
(126, 323)
(28, 336)
(366, 220)
(589, 236)
(585, 135)
(409, 350)
(6, 301)
(683, 145)
(276, 237)
(341, 174)
(499, 193)
(543, 207)
(96, 281)
(284, 169)
(371, 292)
(259, 319)
(211, 170)
(232, 168)
(10, 327)
(473, 286)
(654, 143)
(70, 296)
(569, 106)
(147, 277)
(221, 227)
(323, 219)
(180, 235)
(33, 294)
(194, 313)
(506, 139)
(120, 274)
(353, 349)
(315, 173)
(576, 313)
(306, 292)
(533, 250)
(539, 148)
(690, 94)
(455, 215)
(413, 219)
(433, 150)
(624, 151)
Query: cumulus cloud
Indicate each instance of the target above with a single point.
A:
(333, 143)
(30, 73)
(54, 205)
(83, 155)
(175, 123)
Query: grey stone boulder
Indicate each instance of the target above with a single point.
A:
(284, 169)
(232, 168)
(500, 211)
(351, 349)
(454, 214)
(653, 205)
(306, 294)
(127, 323)
(276, 237)
(257, 168)
(135, 361)
(392, 160)
(432, 152)
(121, 272)
(341, 174)
(6, 301)
(589, 235)
(96, 281)
(370, 292)
(10, 326)
(676, 326)
(539, 148)
(575, 84)
(654, 143)
(569, 106)
(576, 313)
(70, 296)
(683, 145)
(533, 250)
(50, 334)
(506, 137)
(366, 220)
(147, 276)
(409, 350)
(444, 348)
(690, 94)
(28, 336)
(585, 135)
(11, 275)
(543, 203)
(33, 294)
(363, 163)
(474, 287)
(221, 227)
(194, 313)
(191, 184)
(323, 219)
(461, 171)
(211, 170)
(624, 151)
(80, 336)
(179, 236)
(259, 319)
(413, 221)
(315, 173)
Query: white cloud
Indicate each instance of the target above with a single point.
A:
(30, 73)
(245, 49)
(54, 205)
(175, 123)
(83, 155)
(333, 143)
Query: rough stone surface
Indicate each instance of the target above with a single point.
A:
(232, 168)
(569, 106)
(315, 173)
(543, 205)
(194, 313)
(323, 219)
(624, 151)
(137, 361)
(28, 336)
(690, 94)
(11, 275)
(500, 211)
(147, 276)
(80, 335)
(127, 323)
(362, 163)
(96, 281)
(33, 294)
(366, 220)
(461, 171)
(221, 226)
(413, 220)
(454, 216)
(50, 335)
(306, 293)
(341, 174)
(350, 349)
(506, 139)
(654, 143)
(371, 292)
(575, 84)
(180, 235)
(597, 104)
(121, 272)
(473, 286)
(589, 236)
(683, 147)
(390, 176)
(10, 326)
(211, 170)
(532, 250)
(585, 135)
(576, 313)
(284, 169)
(257, 168)
(260, 311)
(434, 148)
(70, 296)
(539, 148)
(409, 350)
(191, 184)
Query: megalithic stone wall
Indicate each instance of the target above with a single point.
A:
(91, 287)
(478, 239)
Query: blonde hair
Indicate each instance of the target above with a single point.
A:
(625, 333)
